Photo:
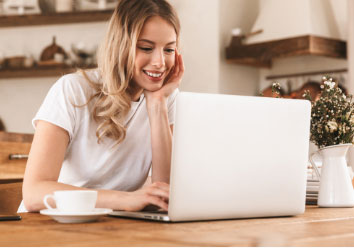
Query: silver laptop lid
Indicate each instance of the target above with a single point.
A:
(238, 157)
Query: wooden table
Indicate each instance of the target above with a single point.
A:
(317, 227)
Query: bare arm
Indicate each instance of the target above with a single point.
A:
(161, 142)
(44, 164)
(161, 131)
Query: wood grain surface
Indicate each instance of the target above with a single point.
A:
(261, 54)
(13, 143)
(41, 71)
(317, 227)
(55, 18)
(10, 169)
(16, 137)
(10, 197)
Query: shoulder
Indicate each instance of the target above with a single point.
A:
(77, 85)
(78, 80)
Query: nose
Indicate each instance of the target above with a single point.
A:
(158, 59)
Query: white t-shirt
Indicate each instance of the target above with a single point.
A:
(86, 163)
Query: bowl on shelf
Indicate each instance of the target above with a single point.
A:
(85, 55)
(47, 6)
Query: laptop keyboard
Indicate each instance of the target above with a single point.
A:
(154, 210)
(157, 211)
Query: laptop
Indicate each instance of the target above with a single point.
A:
(236, 157)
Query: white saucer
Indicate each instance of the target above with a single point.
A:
(76, 217)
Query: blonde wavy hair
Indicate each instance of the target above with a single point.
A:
(116, 59)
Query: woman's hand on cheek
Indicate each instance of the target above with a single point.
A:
(172, 81)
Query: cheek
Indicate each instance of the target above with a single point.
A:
(140, 61)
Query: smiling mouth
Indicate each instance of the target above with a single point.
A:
(155, 75)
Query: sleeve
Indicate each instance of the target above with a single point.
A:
(172, 106)
(58, 108)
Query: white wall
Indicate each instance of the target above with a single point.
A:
(206, 29)
(233, 78)
(19, 101)
(199, 44)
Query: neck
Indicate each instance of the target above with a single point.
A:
(135, 91)
(136, 96)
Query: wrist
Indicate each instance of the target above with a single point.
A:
(111, 199)
(156, 104)
(155, 98)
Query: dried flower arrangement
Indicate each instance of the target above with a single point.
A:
(332, 115)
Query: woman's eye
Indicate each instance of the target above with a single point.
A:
(170, 50)
(146, 49)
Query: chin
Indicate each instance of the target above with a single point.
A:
(153, 88)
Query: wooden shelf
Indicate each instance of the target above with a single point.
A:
(43, 71)
(262, 54)
(55, 18)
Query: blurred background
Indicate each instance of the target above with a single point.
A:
(229, 46)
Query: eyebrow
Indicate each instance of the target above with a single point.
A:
(151, 42)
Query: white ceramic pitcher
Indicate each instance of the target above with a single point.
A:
(336, 189)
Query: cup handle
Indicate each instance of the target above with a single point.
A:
(45, 199)
(317, 171)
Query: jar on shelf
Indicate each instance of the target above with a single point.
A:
(64, 5)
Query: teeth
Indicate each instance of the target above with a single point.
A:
(153, 74)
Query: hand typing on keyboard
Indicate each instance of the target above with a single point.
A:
(156, 194)
(153, 208)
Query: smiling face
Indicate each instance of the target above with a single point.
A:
(155, 55)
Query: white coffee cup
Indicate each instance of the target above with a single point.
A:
(72, 200)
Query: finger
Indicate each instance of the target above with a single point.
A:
(177, 74)
(181, 65)
(171, 74)
(159, 193)
(176, 66)
(158, 202)
(176, 55)
(155, 191)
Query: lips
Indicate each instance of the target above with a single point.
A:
(154, 75)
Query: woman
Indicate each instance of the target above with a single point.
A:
(103, 129)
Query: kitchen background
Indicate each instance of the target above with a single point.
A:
(207, 27)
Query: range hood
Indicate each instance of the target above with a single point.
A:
(289, 28)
